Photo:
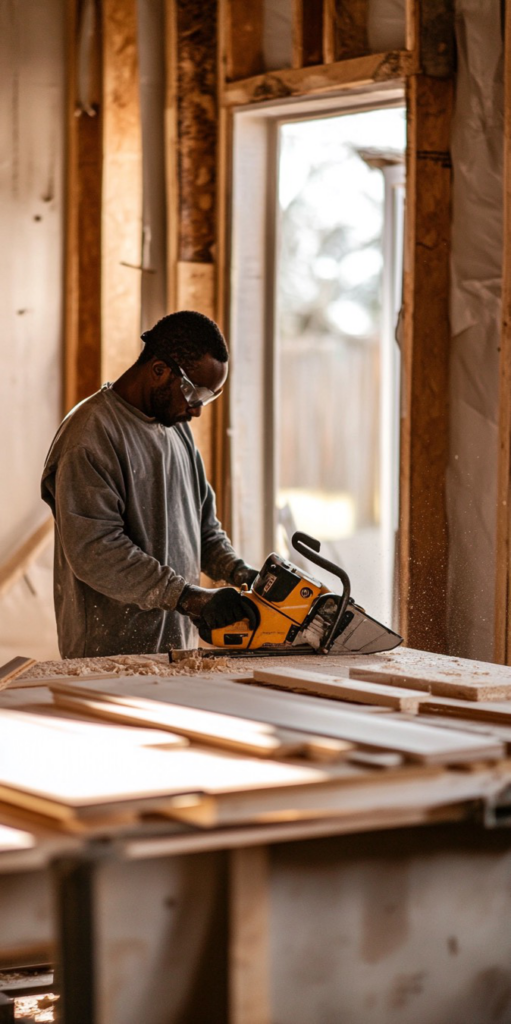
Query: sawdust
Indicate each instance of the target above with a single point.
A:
(128, 665)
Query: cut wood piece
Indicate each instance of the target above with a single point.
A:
(483, 711)
(321, 748)
(31, 681)
(419, 743)
(375, 759)
(107, 777)
(205, 726)
(338, 688)
(14, 668)
(475, 685)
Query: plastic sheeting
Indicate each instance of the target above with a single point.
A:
(477, 154)
(32, 126)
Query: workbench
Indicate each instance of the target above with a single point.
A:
(394, 909)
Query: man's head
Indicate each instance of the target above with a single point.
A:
(182, 349)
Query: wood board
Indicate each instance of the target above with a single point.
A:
(61, 779)
(224, 731)
(439, 674)
(470, 685)
(482, 711)
(318, 684)
(417, 742)
(14, 668)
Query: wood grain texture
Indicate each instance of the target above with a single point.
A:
(308, 25)
(502, 650)
(243, 39)
(249, 936)
(320, 79)
(122, 189)
(482, 682)
(322, 685)
(423, 541)
(350, 28)
(196, 85)
(82, 347)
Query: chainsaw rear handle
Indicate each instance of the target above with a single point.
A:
(309, 547)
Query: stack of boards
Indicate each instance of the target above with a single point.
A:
(108, 751)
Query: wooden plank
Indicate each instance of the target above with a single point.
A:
(470, 684)
(203, 726)
(320, 79)
(18, 564)
(120, 778)
(84, 174)
(380, 732)
(349, 28)
(243, 39)
(308, 26)
(122, 189)
(14, 668)
(338, 688)
(425, 347)
(249, 936)
(502, 651)
(483, 711)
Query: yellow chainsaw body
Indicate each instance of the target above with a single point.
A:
(283, 596)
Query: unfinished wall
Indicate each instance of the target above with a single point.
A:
(477, 155)
(32, 118)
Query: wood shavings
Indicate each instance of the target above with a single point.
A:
(127, 665)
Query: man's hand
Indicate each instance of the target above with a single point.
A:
(216, 608)
(244, 574)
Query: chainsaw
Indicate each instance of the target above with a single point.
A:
(297, 614)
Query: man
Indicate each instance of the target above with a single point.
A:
(135, 516)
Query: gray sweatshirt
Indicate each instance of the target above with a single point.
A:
(135, 521)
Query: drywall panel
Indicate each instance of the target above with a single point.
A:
(476, 268)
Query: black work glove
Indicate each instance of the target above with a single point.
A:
(244, 574)
(226, 607)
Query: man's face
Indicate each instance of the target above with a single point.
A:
(168, 404)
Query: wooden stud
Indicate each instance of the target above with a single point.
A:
(308, 21)
(122, 189)
(249, 944)
(82, 346)
(502, 649)
(243, 41)
(349, 28)
(425, 360)
(321, 79)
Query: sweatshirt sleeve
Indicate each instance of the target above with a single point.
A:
(88, 514)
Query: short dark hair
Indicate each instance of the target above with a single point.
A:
(185, 336)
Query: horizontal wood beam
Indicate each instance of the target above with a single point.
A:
(320, 79)
(17, 565)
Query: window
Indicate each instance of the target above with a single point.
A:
(317, 249)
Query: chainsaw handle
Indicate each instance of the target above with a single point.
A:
(309, 547)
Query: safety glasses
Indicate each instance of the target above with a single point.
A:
(194, 394)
